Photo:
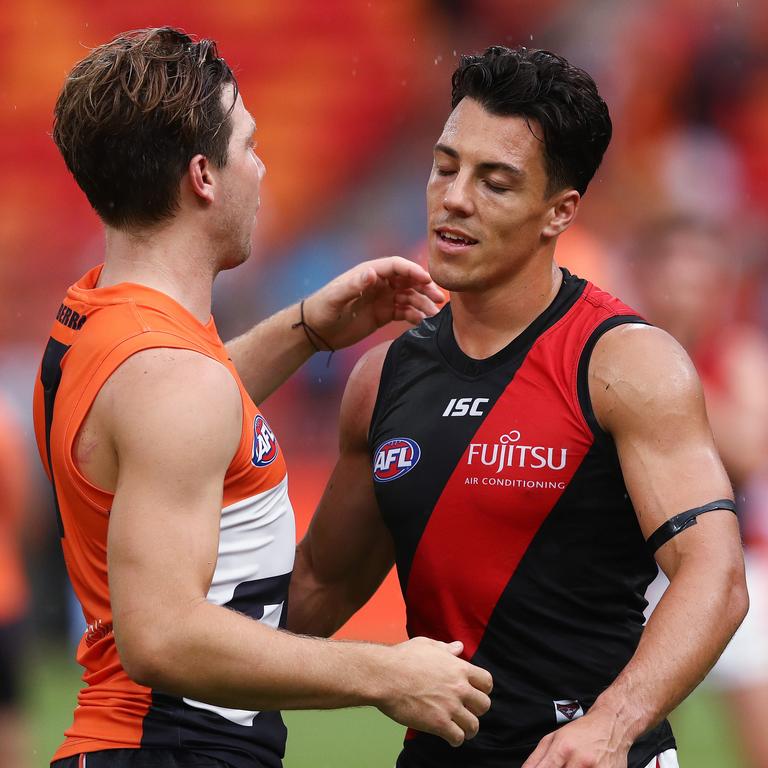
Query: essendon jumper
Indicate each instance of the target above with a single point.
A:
(513, 531)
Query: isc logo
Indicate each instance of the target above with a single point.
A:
(465, 406)
(264, 443)
(394, 458)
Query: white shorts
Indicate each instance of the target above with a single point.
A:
(666, 759)
(744, 662)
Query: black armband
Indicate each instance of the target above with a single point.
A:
(684, 520)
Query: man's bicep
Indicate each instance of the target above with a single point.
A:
(646, 393)
(347, 550)
(347, 538)
(174, 441)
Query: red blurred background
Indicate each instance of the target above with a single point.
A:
(348, 98)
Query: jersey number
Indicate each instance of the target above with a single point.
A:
(50, 378)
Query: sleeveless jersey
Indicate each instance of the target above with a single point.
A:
(512, 526)
(95, 331)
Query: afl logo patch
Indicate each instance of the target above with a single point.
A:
(264, 443)
(393, 458)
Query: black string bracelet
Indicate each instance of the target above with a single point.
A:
(312, 334)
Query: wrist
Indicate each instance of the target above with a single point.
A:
(313, 337)
(378, 670)
(623, 721)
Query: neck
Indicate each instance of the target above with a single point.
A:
(485, 322)
(167, 259)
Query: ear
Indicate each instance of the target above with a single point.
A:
(201, 180)
(565, 204)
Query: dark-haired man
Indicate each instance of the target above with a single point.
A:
(170, 486)
(525, 455)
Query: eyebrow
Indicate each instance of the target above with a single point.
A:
(486, 167)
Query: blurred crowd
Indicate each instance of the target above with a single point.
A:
(348, 99)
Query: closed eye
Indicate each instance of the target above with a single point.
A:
(495, 188)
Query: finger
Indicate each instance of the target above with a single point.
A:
(452, 733)
(481, 679)
(477, 702)
(468, 723)
(418, 301)
(403, 273)
(396, 266)
(349, 286)
(409, 315)
(367, 278)
(430, 289)
(539, 754)
(456, 647)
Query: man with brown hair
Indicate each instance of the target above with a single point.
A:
(170, 486)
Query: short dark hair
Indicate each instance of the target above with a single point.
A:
(542, 86)
(133, 113)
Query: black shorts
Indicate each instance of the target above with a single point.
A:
(11, 648)
(140, 758)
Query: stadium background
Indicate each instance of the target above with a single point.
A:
(348, 98)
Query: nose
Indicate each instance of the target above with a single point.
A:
(458, 197)
(262, 167)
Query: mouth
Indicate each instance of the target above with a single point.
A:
(453, 239)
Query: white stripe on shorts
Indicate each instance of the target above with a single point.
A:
(666, 759)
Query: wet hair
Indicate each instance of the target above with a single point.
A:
(543, 87)
(134, 112)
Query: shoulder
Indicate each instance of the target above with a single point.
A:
(162, 397)
(639, 373)
(361, 393)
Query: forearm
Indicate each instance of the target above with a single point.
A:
(216, 655)
(327, 589)
(316, 608)
(693, 622)
(269, 353)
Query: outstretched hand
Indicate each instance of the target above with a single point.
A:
(368, 296)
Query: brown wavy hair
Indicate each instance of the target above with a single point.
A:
(133, 113)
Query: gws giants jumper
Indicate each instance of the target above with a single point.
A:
(97, 329)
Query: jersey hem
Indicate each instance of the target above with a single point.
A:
(75, 746)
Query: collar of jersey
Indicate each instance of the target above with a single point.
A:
(570, 290)
(85, 290)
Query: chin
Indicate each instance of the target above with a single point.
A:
(450, 277)
(235, 258)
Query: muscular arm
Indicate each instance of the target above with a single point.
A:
(646, 394)
(174, 419)
(346, 310)
(347, 550)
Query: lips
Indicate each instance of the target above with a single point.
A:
(454, 237)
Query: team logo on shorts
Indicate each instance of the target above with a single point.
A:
(264, 443)
(395, 457)
(567, 710)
